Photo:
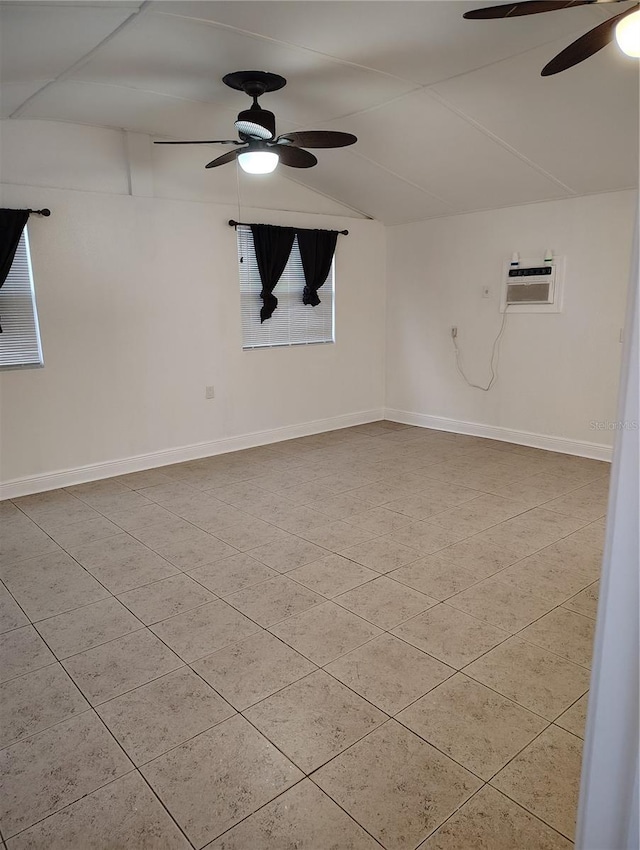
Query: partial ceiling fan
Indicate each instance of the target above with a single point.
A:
(259, 150)
(625, 27)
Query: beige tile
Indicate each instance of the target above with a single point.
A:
(122, 563)
(109, 503)
(450, 635)
(381, 554)
(246, 536)
(64, 514)
(396, 786)
(214, 516)
(491, 821)
(531, 531)
(80, 533)
(332, 575)
(531, 676)
(124, 813)
(575, 717)
(37, 700)
(590, 536)
(572, 554)
(381, 492)
(389, 672)
(51, 584)
(478, 557)
(500, 604)
(588, 503)
(337, 536)
(434, 498)
(438, 577)
(543, 577)
(379, 520)
(288, 553)
(314, 719)
(121, 665)
(306, 492)
(477, 727)
(46, 772)
(537, 489)
(273, 600)
(302, 818)
(385, 602)
(23, 539)
(165, 598)
(216, 779)
(196, 551)
(324, 632)
(545, 779)
(478, 514)
(157, 716)
(232, 574)
(11, 614)
(200, 632)
(72, 632)
(585, 602)
(140, 517)
(565, 633)
(252, 669)
(162, 534)
(425, 537)
(22, 651)
(339, 507)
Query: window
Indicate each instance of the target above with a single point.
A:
(292, 323)
(20, 337)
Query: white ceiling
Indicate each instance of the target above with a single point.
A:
(451, 115)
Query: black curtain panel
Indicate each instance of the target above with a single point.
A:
(316, 251)
(12, 224)
(273, 247)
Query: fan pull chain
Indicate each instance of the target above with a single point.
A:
(238, 195)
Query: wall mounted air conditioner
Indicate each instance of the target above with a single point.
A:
(532, 286)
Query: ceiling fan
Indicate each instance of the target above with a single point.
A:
(259, 150)
(625, 29)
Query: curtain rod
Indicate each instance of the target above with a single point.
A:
(45, 212)
(233, 223)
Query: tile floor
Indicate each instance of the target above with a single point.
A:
(376, 637)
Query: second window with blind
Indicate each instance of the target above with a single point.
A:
(292, 323)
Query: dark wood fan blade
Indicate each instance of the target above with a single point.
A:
(222, 160)
(527, 7)
(203, 142)
(585, 46)
(318, 139)
(293, 156)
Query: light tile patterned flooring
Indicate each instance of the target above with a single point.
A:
(375, 637)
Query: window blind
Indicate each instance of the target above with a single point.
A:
(292, 323)
(20, 337)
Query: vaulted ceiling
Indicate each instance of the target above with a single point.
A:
(451, 115)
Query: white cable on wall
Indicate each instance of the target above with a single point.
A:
(495, 356)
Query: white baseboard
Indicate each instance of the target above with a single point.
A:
(596, 451)
(94, 472)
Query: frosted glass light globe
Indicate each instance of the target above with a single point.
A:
(258, 162)
(628, 34)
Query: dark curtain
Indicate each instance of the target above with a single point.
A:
(316, 251)
(273, 247)
(12, 224)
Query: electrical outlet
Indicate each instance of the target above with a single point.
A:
(208, 392)
(486, 292)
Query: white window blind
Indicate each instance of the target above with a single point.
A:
(20, 337)
(292, 323)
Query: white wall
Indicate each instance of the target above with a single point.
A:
(557, 372)
(139, 309)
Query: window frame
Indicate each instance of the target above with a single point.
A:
(24, 287)
(250, 286)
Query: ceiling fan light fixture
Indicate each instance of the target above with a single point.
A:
(258, 162)
(628, 34)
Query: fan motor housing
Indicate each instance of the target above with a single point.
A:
(256, 123)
